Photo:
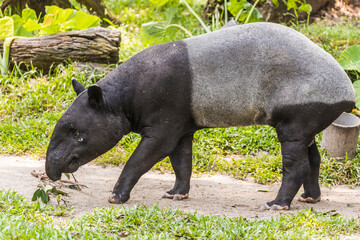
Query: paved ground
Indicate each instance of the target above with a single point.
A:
(220, 195)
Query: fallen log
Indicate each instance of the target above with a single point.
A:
(93, 45)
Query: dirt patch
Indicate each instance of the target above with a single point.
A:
(341, 9)
(218, 194)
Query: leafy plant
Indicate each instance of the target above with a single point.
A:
(56, 20)
(155, 32)
(350, 60)
(298, 6)
(44, 192)
(62, 20)
(244, 11)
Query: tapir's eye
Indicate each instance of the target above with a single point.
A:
(74, 132)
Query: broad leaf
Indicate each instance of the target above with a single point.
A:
(83, 20)
(305, 8)
(235, 6)
(36, 195)
(172, 14)
(31, 25)
(159, 2)
(44, 197)
(7, 27)
(28, 13)
(291, 4)
(19, 29)
(152, 32)
(357, 93)
(350, 58)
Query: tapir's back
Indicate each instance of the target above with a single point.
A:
(241, 74)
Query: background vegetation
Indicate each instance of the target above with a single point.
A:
(32, 102)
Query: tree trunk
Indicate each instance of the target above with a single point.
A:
(94, 45)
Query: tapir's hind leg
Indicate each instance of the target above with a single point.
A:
(181, 161)
(311, 181)
(295, 168)
(296, 127)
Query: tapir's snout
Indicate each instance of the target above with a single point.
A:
(52, 166)
(53, 173)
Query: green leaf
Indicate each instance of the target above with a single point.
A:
(159, 2)
(44, 196)
(305, 8)
(36, 195)
(31, 25)
(58, 198)
(291, 4)
(276, 3)
(48, 188)
(83, 20)
(350, 58)
(19, 29)
(235, 6)
(58, 192)
(67, 175)
(152, 32)
(171, 15)
(356, 85)
(255, 16)
(28, 13)
(7, 27)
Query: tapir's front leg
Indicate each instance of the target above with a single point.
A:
(150, 151)
(181, 161)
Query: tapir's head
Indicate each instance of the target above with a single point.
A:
(88, 128)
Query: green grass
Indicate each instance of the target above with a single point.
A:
(334, 38)
(20, 219)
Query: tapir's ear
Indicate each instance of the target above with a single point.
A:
(78, 88)
(95, 95)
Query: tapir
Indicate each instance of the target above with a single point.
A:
(252, 74)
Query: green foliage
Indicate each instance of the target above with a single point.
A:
(43, 193)
(356, 85)
(156, 32)
(61, 20)
(350, 58)
(244, 11)
(7, 27)
(298, 6)
(55, 20)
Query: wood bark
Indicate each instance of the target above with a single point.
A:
(94, 45)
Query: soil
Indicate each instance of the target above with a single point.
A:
(216, 194)
(342, 9)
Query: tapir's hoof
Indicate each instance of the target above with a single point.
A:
(309, 199)
(275, 207)
(176, 196)
(117, 198)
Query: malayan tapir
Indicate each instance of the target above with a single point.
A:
(253, 74)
